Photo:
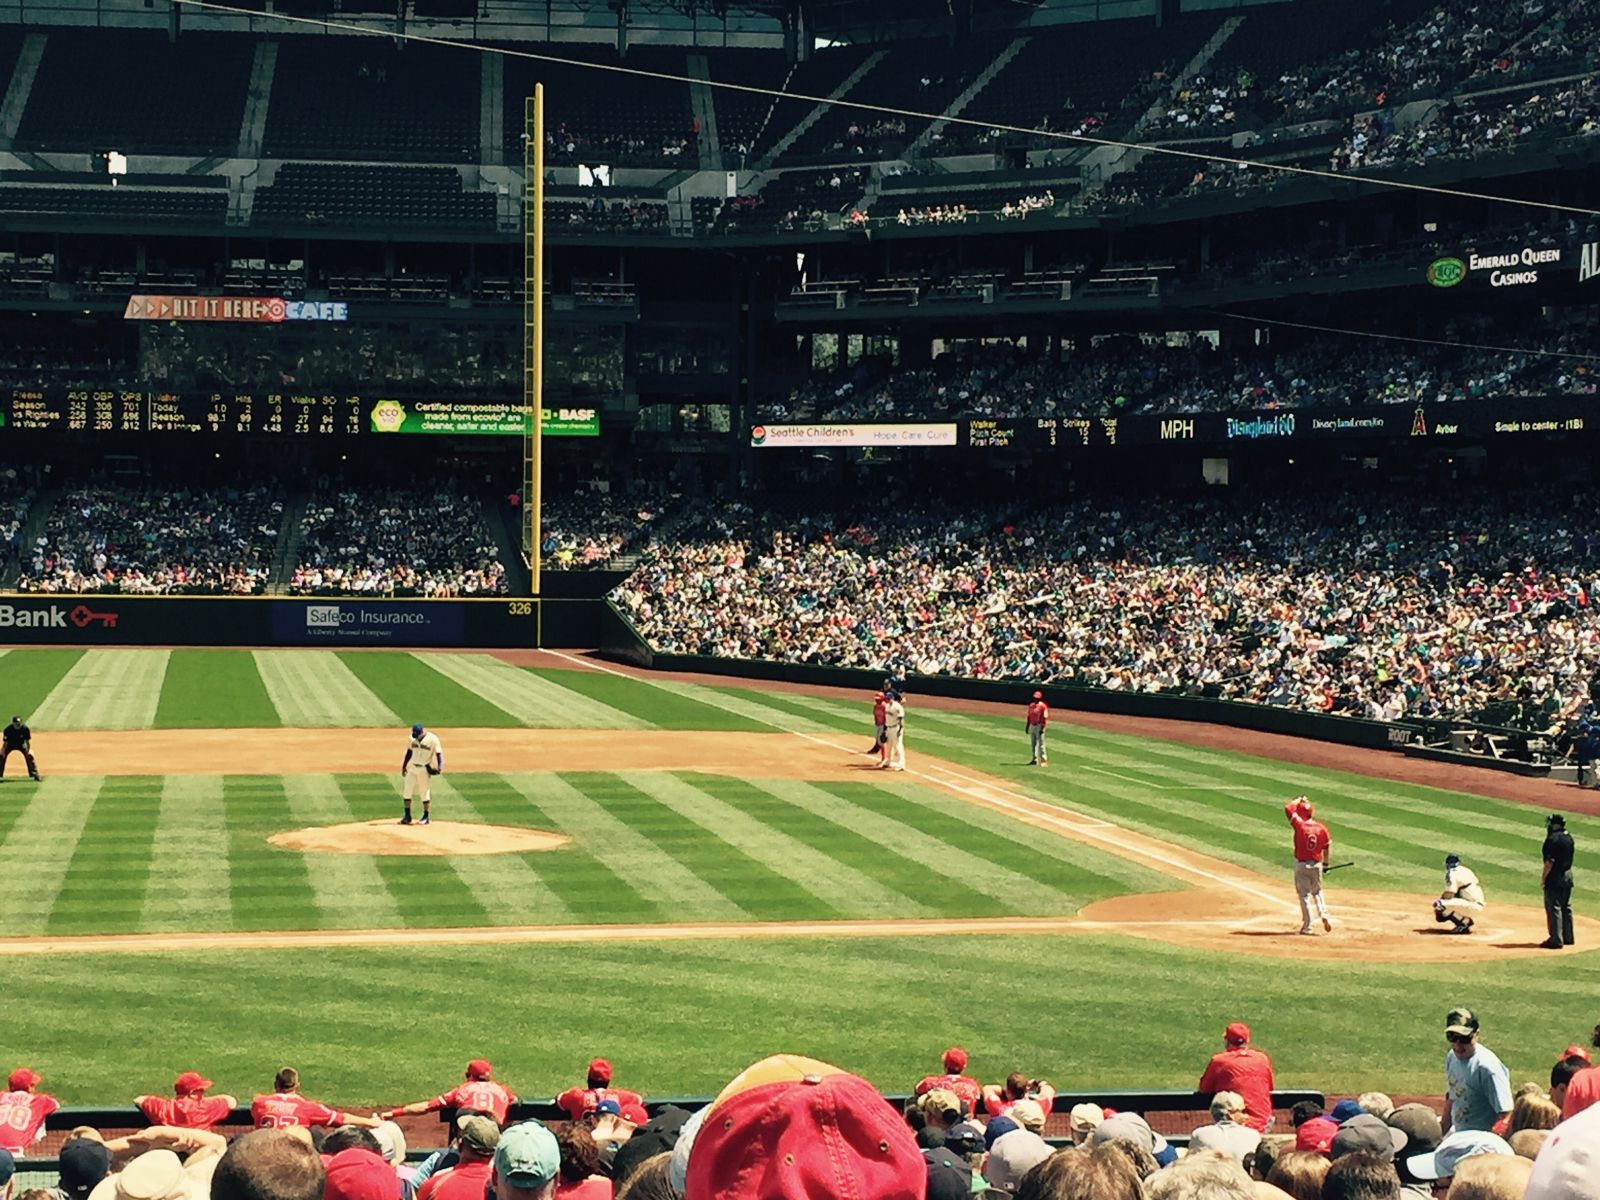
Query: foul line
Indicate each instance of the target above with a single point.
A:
(1029, 806)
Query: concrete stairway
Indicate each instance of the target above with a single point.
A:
(812, 117)
(17, 91)
(959, 104)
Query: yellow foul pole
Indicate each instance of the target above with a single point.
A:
(533, 333)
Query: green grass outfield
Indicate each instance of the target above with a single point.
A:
(112, 854)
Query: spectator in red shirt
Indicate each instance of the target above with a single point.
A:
(476, 1139)
(284, 1107)
(480, 1093)
(190, 1107)
(1583, 1090)
(23, 1110)
(1000, 1098)
(1242, 1068)
(966, 1088)
(579, 1103)
(580, 1176)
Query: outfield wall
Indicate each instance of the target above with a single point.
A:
(116, 620)
(619, 640)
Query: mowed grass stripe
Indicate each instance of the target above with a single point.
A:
(427, 891)
(532, 699)
(659, 707)
(38, 848)
(313, 689)
(30, 676)
(104, 888)
(416, 692)
(905, 884)
(347, 889)
(755, 887)
(676, 892)
(860, 808)
(214, 689)
(506, 885)
(1074, 885)
(586, 886)
(106, 689)
(738, 813)
(187, 884)
(787, 711)
(745, 703)
(267, 887)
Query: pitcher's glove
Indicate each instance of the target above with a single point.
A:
(432, 770)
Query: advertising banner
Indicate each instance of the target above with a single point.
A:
(258, 310)
(864, 434)
(472, 417)
(360, 622)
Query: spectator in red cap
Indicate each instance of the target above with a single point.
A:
(1316, 1136)
(792, 1128)
(1241, 1068)
(579, 1103)
(480, 1093)
(966, 1088)
(360, 1175)
(23, 1110)
(189, 1107)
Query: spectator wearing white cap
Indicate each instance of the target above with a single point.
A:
(1084, 1119)
(1440, 1166)
(1227, 1134)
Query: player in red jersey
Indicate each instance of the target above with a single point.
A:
(285, 1107)
(1312, 844)
(967, 1089)
(480, 1093)
(189, 1107)
(1038, 719)
(23, 1110)
(578, 1103)
(1244, 1069)
(880, 741)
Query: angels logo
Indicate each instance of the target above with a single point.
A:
(758, 434)
(1588, 261)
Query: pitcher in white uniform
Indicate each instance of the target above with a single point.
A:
(424, 759)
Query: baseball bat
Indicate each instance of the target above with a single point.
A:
(1337, 866)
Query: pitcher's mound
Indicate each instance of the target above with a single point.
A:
(438, 837)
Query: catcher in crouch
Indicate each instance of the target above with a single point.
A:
(424, 759)
(1462, 896)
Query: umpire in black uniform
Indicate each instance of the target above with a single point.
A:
(18, 738)
(1557, 882)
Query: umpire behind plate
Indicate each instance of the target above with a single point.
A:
(17, 738)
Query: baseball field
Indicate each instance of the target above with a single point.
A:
(684, 875)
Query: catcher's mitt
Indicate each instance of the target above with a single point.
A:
(432, 770)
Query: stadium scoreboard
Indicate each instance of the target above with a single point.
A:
(290, 414)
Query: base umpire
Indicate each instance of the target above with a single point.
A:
(17, 738)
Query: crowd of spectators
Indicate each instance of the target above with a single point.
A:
(1443, 49)
(397, 542)
(1128, 374)
(568, 145)
(587, 528)
(789, 1127)
(959, 213)
(355, 357)
(156, 541)
(1378, 606)
(625, 215)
